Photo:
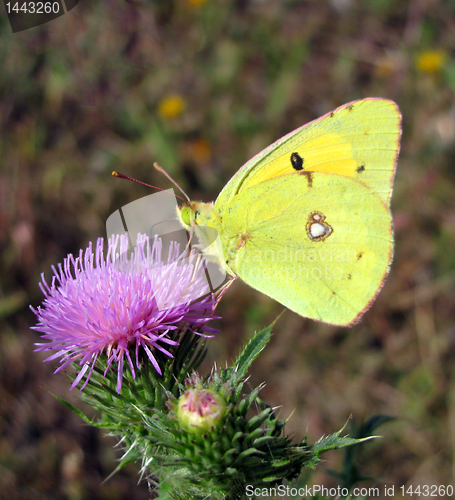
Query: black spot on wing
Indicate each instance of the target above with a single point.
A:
(350, 107)
(297, 161)
(360, 168)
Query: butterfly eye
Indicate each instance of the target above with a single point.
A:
(185, 214)
(297, 161)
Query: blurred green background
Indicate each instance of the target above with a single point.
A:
(201, 86)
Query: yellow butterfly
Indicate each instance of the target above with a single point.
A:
(307, 221)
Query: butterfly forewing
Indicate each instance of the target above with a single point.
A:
(358, 140)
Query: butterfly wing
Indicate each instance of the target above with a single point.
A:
(321, 244)
(359, 140)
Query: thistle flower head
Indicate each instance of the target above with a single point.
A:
(120, 305)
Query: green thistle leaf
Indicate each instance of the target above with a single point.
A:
(251, 352)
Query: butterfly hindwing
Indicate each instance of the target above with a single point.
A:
(323, 252)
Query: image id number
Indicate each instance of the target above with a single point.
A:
(33, 7)
(427, 491)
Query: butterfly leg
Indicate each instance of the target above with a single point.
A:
(223, 290)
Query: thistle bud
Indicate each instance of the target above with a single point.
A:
(200, 410)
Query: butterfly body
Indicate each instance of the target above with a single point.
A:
(307, 220)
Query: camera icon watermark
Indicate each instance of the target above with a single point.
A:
(26, 14)
(155, 215)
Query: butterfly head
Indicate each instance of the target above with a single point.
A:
(194, 213)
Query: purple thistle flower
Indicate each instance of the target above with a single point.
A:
(95, 304)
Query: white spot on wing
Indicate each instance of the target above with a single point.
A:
(316, 227)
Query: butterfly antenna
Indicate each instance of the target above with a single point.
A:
(161, 170)
(123, 176)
